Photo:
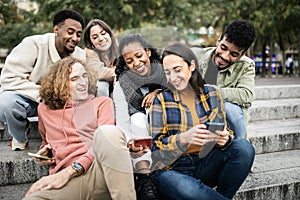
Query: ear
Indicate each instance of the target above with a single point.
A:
(55, 29)
(218, 41)
(148, 51)
(193, 65)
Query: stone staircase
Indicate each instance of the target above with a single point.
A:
(274, 130)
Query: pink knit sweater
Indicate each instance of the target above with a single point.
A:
(70, 131)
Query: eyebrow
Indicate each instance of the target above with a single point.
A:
(72, 29)
(237, 52)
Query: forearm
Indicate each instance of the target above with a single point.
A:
(121, 111)
(240, 96)
(102, 72)
(240, 88)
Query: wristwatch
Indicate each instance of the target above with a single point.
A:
(78, 168)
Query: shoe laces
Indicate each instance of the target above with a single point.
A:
(146, 183)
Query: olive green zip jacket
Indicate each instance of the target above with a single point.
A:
(236, 82)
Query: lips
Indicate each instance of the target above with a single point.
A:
(220, 61)
(102, 44)
(72, 45)
(176, 83)
(140, 68)
(82, 90)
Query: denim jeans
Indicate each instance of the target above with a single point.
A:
(15, 108)
(191, 177)
(235, 119)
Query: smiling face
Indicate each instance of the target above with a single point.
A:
(137, 58)
(177, 71)
(68, 36)
(78, 81)
(226, 53)
(100, 38)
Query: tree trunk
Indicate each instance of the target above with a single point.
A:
(298, 50)
(263, 54)
(270, 57)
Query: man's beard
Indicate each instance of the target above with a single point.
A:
(68, 51)
(217, 55)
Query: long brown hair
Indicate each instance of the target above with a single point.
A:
(188, 56)
(55, 89)
(113, 49)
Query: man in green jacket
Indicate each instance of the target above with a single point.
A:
(26, 65)
(227, 67)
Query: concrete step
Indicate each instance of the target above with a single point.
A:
(266, 136)
(14, 192)
(274, 176)
(17, 167)
(274, 135)
(277, 92)
(274, 109)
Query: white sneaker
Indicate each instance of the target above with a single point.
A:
(15, 145)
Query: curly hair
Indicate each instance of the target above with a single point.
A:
(113, 50)
(127, 40)
(241, 33)
(55, 88)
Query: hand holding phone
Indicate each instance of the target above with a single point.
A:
(39, 156)
(146, 143)
(214, 126)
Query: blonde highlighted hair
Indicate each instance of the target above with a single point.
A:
(55, 88)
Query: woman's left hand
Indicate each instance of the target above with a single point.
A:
(136, 151)
(149, 98)
(223, 137)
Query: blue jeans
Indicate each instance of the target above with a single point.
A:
(235, 119)
(14, 110)
(193, 178)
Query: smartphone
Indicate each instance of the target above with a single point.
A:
(145, 142)
(213, 126)
(39, 156)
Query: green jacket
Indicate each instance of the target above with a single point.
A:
(236, 82)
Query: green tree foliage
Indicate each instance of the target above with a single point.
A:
(275, 21)
(15, 24)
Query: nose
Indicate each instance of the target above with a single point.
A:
(136, 62)
(172, 77)
(226, 55)
(101, 37)
(75, 37)
(82, 81)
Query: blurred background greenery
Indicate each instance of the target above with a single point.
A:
(197, 22)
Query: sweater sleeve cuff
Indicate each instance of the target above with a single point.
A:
(86, 162)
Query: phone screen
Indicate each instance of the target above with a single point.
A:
(39, 156)
(145, 142)
(213, 126)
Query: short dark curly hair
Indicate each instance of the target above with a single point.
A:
(61, 15)
(241, 33)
